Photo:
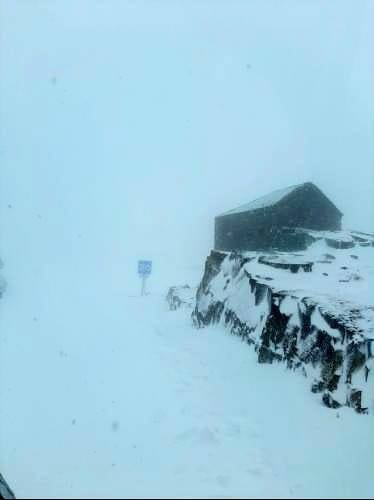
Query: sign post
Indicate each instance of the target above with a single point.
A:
(144, 270)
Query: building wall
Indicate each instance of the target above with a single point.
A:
(245, 231)
(271, 227)
(308, 207)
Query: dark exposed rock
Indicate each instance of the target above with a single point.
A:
(354, 401)
(275, 328)
(266, 355)
(306, 308)
(290, 266)
(212, 268)
(290, 347)
(211, 317)
(5, 492)
(330, 402)
(355, 360)
(237, 327)
(318, 386)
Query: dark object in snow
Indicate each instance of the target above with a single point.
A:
(5, 492)
(355, 402)
(180, 296)
(270, 222)
(330, 402)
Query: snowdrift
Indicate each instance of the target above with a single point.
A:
(311, 310)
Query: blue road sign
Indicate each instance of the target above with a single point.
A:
(144, 267)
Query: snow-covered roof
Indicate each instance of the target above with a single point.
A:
(268, 200)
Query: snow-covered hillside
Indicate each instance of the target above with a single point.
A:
(129, 400)
(314, 310)
(126, 127)
(120, 397)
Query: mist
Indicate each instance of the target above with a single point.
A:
(133, 124)
(126, 126)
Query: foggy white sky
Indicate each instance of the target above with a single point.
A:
(129, 125)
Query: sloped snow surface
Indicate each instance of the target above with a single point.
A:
(265, 201)
(119, 397)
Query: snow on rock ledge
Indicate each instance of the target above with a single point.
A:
(180, 296)
(317, 319)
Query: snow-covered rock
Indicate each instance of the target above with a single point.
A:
(339, 239)
(5, 492)
(313, 310)
(180, 296)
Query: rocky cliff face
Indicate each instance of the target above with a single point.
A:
(312, 311)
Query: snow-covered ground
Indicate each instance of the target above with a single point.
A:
(125, 128)
(118, 397)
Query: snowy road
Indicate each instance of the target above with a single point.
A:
(121, 398)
